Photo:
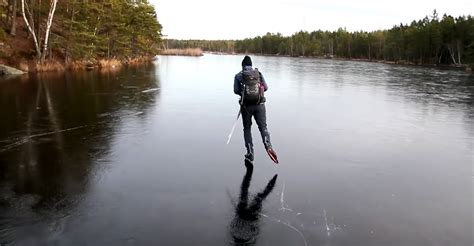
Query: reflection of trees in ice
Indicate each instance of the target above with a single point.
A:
(56, 137)
(59, 125)
(22, 222)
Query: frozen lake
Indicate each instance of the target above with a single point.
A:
(370, 154)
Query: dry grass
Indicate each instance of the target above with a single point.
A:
(77, 65)
(140, 60)
(24, 66)
(50, 66)
(110, 63)
(470, 68)
(102, 64)
(182, 52)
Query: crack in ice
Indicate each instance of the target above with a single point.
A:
(327, 226)
(287, 224)
(282, 200)
(25, 139)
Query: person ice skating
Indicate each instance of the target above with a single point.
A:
(250, 85)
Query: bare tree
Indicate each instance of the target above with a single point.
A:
(41, 55)
(52, 9)
(13, 26)
(37, 46)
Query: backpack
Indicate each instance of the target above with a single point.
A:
(252, 92)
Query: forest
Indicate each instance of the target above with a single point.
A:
(435, 40)
(74, 30)
(45, 31)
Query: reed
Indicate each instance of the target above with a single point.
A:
(140, 60)
(50, 66)
(77, 65)
(182, 52)
(110, 63)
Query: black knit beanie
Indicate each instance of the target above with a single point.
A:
(247, 61)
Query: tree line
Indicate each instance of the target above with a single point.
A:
(431, 40)
(82, 29)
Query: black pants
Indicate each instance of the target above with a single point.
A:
(259, 113)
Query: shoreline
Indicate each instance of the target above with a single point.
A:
(462, 67)
(30, 66)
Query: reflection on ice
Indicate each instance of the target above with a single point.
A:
(244, 227)
(375, 151)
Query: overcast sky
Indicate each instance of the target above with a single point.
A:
(224, 19)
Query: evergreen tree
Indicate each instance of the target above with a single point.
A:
(431, 40)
